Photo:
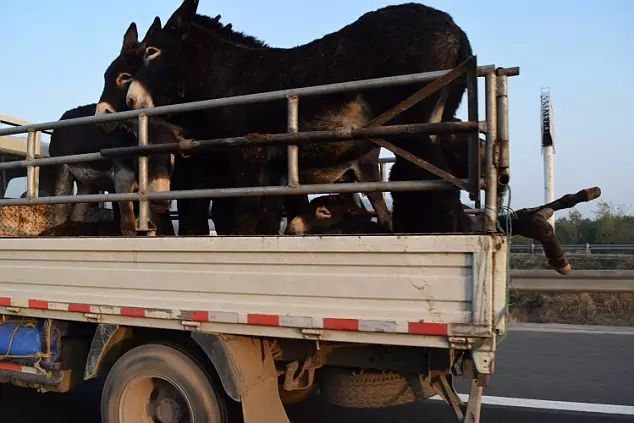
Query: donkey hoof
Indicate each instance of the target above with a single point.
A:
(564, 270)
(593, 193)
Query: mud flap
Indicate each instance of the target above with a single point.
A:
(247, 371)
(258, 380)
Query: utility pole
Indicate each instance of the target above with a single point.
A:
(548, 147)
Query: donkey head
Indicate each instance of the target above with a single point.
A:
(325, 212)
(158, 80)
(120, 73)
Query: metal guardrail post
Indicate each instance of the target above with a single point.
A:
(32, 172)
(293, 150)
(143, 224)
(490, 221)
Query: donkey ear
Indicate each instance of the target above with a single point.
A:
(130, 38)
(182, 17)
(154, 28)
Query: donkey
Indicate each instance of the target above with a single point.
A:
(193, 172)
(334, 214)
(177, 67)
(117, 175)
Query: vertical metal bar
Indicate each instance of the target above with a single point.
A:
(503, 135)
(383, 167)
(490, 200)
(4, 178)
(293, 150)
(143, 224)
(475, 159)
(31, 171)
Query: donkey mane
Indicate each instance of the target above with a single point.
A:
(81, 111)
(217, 28)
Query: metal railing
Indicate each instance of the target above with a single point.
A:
(614, 281)
(586, 249)
(496, 121)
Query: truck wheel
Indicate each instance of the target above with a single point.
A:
(158, 383)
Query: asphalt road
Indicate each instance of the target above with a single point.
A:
(593, 368)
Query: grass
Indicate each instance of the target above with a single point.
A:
(574, 308)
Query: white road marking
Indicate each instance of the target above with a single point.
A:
(581, 407)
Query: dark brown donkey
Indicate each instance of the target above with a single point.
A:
(117, 175)
(394, 40)
(194, 171)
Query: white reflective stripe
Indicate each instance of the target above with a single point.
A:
(377, 326)
(29, 370)
(162, 314)
(581, 407)
(58, 306)
(226, 317)
(296, 322)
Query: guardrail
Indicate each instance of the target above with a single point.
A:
(588, 249)
(615, 281)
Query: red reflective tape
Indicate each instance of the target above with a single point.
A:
(423, 328)
(195, 316)
(38, 304)
(263, 319)
(5, 301)
(11, 367)
(132, 312)
(341, 324)
(79, 308)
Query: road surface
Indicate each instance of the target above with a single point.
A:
(542, 375)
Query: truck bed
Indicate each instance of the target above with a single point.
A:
(423, 290)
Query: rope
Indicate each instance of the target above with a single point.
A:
(510, 214)
(22, 324)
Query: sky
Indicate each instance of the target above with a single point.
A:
(54, 55)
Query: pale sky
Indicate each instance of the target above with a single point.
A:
(54, 55)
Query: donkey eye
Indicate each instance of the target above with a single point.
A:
(124, 79)
(151, 53)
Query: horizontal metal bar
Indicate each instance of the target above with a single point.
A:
(339, 134)
(238, 100)
(51, 161)
(577, 281)
(514, 71)
(11, 121)
(238, 192)
(260, 139)
(607, 247)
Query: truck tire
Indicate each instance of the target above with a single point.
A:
(366, 388)
(157, 382)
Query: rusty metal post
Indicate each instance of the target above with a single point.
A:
(32, 172)
(143, 222)
(474, 140)
(503, 133)
(293, 150)
(491, 213)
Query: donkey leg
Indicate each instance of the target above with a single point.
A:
(249, 209)
(367, 170)
(535, 226)
(63, 186)
(125, 182)
(80, 210)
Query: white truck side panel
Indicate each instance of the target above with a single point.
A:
(361, 285)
